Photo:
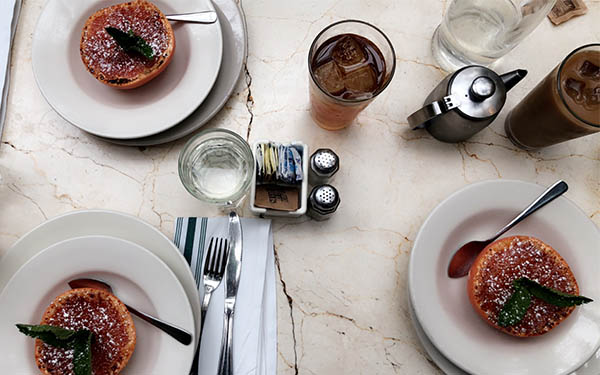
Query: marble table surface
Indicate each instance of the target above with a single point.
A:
(342, 298)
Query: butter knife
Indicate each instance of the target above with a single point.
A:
(232, 281)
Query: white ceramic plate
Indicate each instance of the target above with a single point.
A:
(138, 278)
(108, 223)
(591, 367)
(235, 45)
(123, 114)
(442, 362)
(442, 306)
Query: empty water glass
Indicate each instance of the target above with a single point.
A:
(481, 31)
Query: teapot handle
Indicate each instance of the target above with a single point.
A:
(418, 119)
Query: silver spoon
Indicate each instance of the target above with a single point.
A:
(177, 333)
(205, 17)
(463, 259)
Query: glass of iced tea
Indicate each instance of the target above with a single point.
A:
(563, 106)
(350, 62)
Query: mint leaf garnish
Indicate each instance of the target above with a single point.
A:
(82, 352)
(515, 308)
(80, 341)
(130, 42)
(552, 296)
(51, 335)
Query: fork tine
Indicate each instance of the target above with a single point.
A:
(216, 258)
(215, 265)
(209, 256)
(224, 257)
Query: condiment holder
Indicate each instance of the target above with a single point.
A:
(275, 196)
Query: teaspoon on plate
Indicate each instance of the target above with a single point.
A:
(177, 333)
(463, 259)
(205, 17)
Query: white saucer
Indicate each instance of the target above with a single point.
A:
(235, 45)
(123, 114)
(441, 304)
(108, 223)
(138, 277)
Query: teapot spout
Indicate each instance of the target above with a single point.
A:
(510, 79)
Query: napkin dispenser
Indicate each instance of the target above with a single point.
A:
(278, 198)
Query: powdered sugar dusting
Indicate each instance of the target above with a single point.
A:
(95, 312)
(102, 54)
(524, 257)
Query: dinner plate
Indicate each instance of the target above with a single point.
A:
(591, 367)
(438, 358)
(108, 223)
(138, 277)
(235, 46)
(441, 304)
(123, 114)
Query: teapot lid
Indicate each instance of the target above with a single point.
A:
(479, 90)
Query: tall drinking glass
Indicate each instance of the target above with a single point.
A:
(477, 32)
(350, 63)
(563, 106)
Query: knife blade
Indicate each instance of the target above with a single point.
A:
(234, 260)
(232, 281)
(5, 70)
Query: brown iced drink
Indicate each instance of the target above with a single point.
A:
(563, 106)
(347, 71)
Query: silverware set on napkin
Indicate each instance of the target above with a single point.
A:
(223, 259)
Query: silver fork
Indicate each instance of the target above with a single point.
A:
(214, 268)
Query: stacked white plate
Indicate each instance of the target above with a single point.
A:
(207, 63)
(453, 334)
(103, 245)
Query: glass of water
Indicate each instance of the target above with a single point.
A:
(216, 166)
(477, 32)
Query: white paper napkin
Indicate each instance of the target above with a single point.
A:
(255, 319)
(9, 14)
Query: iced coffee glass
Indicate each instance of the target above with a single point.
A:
(563, 106)
(350, 62)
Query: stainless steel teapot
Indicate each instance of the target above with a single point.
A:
(464, 103)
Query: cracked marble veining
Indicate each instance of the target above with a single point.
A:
(342, 301)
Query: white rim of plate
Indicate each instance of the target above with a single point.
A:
(424, 316)
(132, 277)
(177, 260)
(153, 116)
(190, 124)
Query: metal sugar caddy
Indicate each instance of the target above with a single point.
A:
(464, 103)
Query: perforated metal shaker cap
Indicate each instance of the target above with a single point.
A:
(324, 162)
(324, 199)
